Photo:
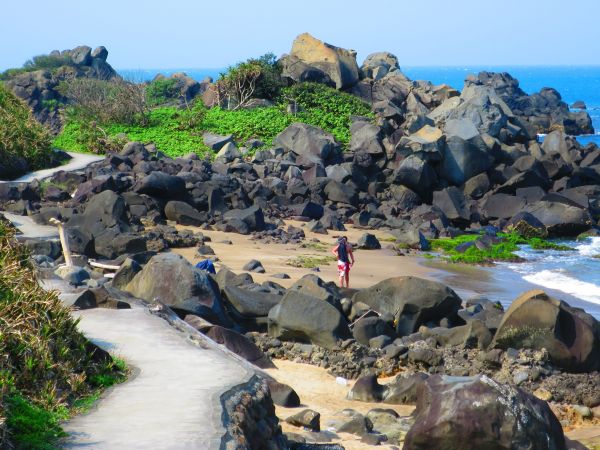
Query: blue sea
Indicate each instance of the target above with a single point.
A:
(573, 276)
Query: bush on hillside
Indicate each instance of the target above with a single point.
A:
(24, 142)
(102, 101)
(40, 62)
(46, 364)
(254, 78)
(161, 91)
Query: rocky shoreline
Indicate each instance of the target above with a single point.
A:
(434, 163)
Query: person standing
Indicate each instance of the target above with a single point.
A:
(343, 252)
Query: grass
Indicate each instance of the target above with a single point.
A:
(316, 246)
(310, 261)
(177, 131)
(48, 369)
(21, 136)
(501, 251)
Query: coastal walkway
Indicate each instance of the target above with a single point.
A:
(78, 161)
(172, 401)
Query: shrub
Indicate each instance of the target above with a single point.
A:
(40, 62)
(102, 101)
(159, 92)
(254, 78)
(46, 364)
(21, 136)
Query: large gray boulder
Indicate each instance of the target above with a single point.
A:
(416, 174)
(560, 216)
(184, 214)
(412, 301)
(240, 345)
(252, 217)
(301, 318)
(465, 153)
(378, 65)
(474, 413)
(308, 141)
(452, 203)
(172, 280)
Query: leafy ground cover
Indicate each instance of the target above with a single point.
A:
(504, 250)
(178, 131)
(48, 370)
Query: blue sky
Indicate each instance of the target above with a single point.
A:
(196, 33)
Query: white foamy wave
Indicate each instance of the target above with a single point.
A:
(553, 279)
(590, 248)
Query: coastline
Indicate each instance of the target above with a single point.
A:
(498, 283)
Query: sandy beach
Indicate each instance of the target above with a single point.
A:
(371, 266)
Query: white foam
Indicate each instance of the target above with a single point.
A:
(554, 279)
(590, 248)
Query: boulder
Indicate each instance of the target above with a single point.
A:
(369, 327)
(501, 206)
(339, 64)
(307, 141)
(378, 65)
(248, 303)
(526, 225)
(301, 318)
(368, 241)
(314, 286)
(560, 216)
(160, 184)
(452, 203)
(307, 418)
(254, 266)
(252, 217)
(465, 153)
(240, 345)
(111, 243)
(476, 413)
(184, 214)
(341, 193)
(216, 142)
(535, 320)
(412, 301)
(283, 395)
(416, 174)
(472, 335)
(172, 280)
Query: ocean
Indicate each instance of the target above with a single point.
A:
(574, 275)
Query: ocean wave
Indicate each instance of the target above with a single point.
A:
(590, 247)
(553, 279)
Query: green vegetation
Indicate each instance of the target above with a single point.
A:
(21, 136)
(326, 108)
(48, 369)
(500, 251)
(40, 62)
(161, 91)
(310, 261)
(317, 246)
(254, 78)
(103, 113)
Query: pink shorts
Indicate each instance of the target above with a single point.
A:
(343, 268)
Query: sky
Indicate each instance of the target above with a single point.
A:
(198, 34)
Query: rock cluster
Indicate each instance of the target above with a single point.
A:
(39, 88)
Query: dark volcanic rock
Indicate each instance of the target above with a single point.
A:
(413, 301)
(160, 184)
(172, 280)
(240, 345)
(477, 413)
(301, 318)
(184, 214)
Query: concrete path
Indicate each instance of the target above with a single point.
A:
(78, 161)
(172, 403)
(29, 229)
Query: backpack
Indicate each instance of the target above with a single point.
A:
(342, 252)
